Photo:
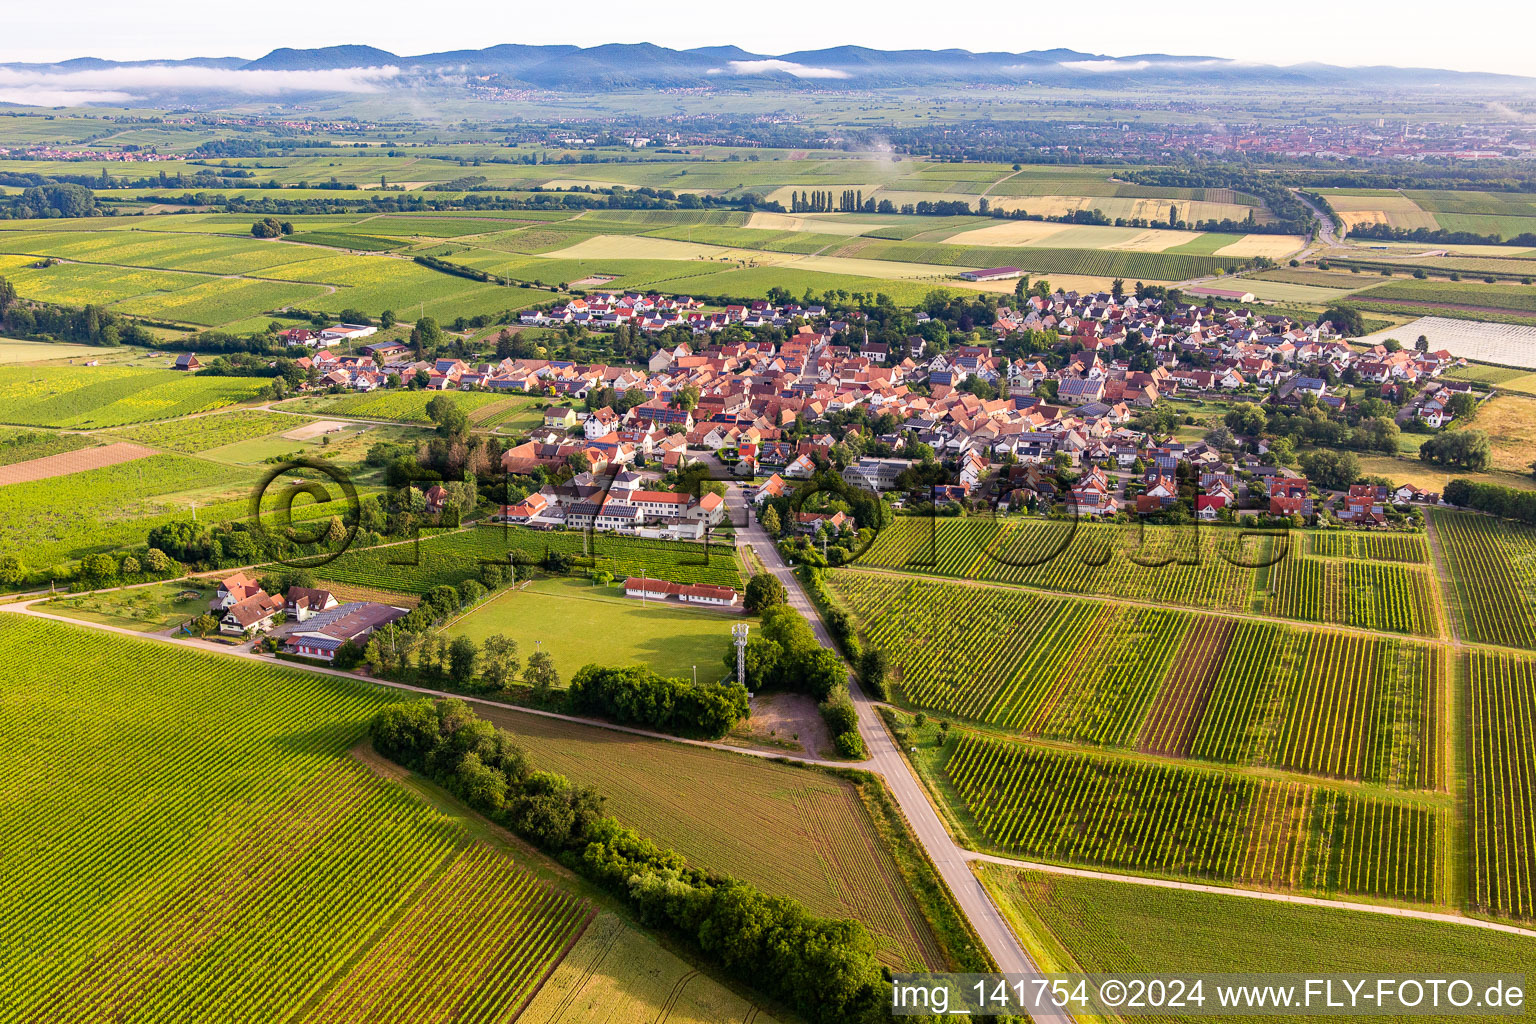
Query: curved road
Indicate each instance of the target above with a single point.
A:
(952, 862)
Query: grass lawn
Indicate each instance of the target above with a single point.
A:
(146, 609)
(13, 351)
(1510, 422)
(1413, 471)
(579, 623)
(1080, 924)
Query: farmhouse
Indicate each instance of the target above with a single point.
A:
(991, 274)
(187, 361)
(303, 603)
(234, 589)
(253, 615)
(642, 587)
(324, 633)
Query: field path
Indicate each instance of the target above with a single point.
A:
(988, 190)
(1444, 584)
(1254, 894)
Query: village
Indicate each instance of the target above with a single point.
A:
(1005, 429)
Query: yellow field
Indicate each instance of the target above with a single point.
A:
(616, 974)
(1510, 422)
(35, 351)
(1398, 211)
(1190, 211)
(1009, 233)
(1409, 470)
(816, 224)
(639, 247)
(1273, 246)
(1153, 240)
(595, 183)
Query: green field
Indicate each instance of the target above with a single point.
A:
(1126, 814)
(1502, 767)
(37, 351)
(336, 890)
(1086, 925)
(65, 516)
(150, 609)
(1490, 563)
(405, 406)
(578, 624)
(1512, 298)
(451, 558)
(20, 445)
(1210, 568)
(201, 433)
(788, 830)
(111, 396)
(1165, 682)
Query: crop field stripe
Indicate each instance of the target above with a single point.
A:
(1394, 595)
(1240, 692)
(1502, 782)
(1175, 717)
(1492, 565)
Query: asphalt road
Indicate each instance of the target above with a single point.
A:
(885, 759)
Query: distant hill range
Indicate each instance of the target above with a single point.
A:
(616, 67)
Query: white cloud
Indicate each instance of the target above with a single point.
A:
(43, 96)
(120, 85)
(1114, 64)
(762, 67)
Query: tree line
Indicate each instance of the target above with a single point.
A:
(1495, 499)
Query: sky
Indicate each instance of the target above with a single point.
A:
(1405, 33)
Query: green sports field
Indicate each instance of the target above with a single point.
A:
(579, 624)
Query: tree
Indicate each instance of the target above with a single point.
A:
(204, 624)
(98, 569)
(426, 334)
(1221, 437)
(347, 657)
(541, 674)
(763, 591)
(266, 227)
(499, 661)
(874, 670)
(1468, 449)
(451, 420)
(462, 655)
(1329, 469)
(769, 519)
(1246, 418)
(1345, 319)
(1422, 344)
(12, 572)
